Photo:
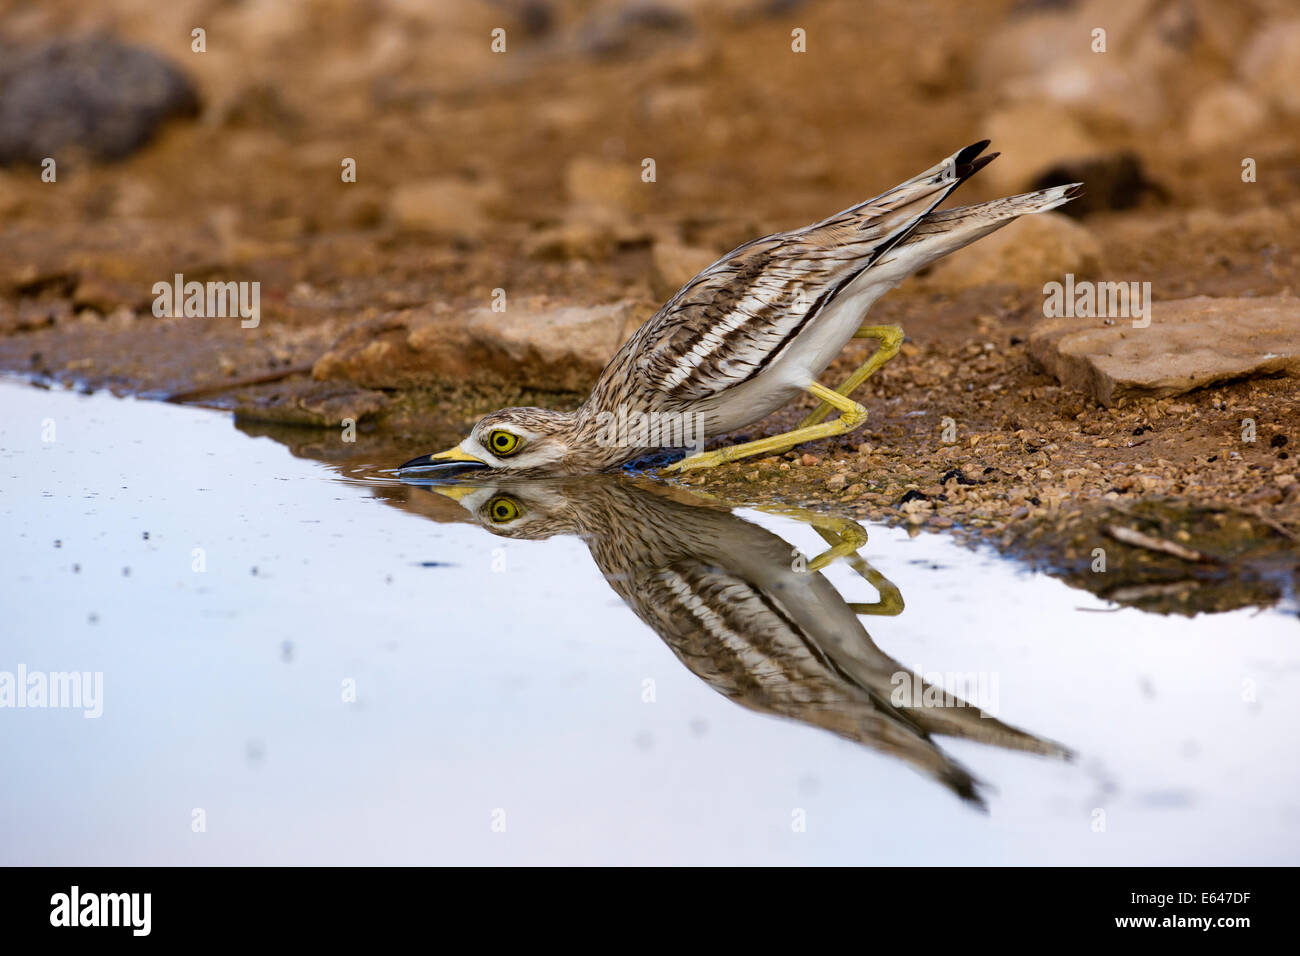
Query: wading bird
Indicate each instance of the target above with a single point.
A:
(751, 617)
(751, 333)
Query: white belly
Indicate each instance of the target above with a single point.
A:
(800, 364)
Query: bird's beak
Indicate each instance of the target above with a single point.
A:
(454, 492)
(445, 464)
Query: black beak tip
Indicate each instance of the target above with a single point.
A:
(426, 466)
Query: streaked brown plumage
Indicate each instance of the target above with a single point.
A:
(725, 596)
(750, 333)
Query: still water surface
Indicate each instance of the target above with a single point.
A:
(592, 671)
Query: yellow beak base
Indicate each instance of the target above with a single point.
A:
(445, 464)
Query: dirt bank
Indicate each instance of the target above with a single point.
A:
(521, 174)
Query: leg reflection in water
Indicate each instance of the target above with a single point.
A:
(749, 615)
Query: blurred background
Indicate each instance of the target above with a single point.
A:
(522, 170)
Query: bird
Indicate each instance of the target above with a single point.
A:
(748, 335)
(743, 611)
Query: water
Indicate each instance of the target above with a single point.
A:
(369, 672)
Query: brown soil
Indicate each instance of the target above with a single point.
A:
(747, 138)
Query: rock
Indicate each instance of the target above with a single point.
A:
(630, 29)
(104, 295)
(938, 69)
(1047, 57)
(92, 96)
(253, 104)
(308, 402)
(607, 185)
(1224, 28)
(1031, 251)
(590, 240)
(361, 206)
(1114, 180)
(1032, 138)
(1222, 116)
(446, 207)
(1271, 64)
(535, 344)
(675, 265)
(589, 232)
(562, 349)
(1189, 344)
(1260, 225)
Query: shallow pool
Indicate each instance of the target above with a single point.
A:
(281, 663)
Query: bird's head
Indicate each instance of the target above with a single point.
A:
(529, 510)
(518, 442)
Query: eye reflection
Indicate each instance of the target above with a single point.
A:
(502, 509)
(752, 617)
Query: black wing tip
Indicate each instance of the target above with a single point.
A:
(968, 788)
(966, 170)
(968, 154)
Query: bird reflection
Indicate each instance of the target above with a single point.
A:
(748, 614)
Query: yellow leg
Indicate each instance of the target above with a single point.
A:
(890, 338)
(851, 416)
(854, 537)
(845, 537)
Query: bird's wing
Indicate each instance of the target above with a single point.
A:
(725, 325)
(738, 638)
(748, 647)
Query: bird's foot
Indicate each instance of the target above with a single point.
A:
(703, 459)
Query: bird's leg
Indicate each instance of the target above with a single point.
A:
(890, 338)
(845, 537)
(851, 416)
(891, 599)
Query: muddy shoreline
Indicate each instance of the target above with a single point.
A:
(481, 178)
(1037, 473)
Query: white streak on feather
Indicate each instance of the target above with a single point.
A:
(755, 663)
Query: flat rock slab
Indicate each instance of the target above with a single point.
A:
(309, 403)
(1190, 343)
(532, 344)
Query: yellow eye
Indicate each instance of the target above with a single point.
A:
(501, 510)
(503, 443)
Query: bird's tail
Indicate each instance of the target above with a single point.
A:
(894, 733)
(883, 222)
(939, 233)
(897, 208)
(958, 167)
